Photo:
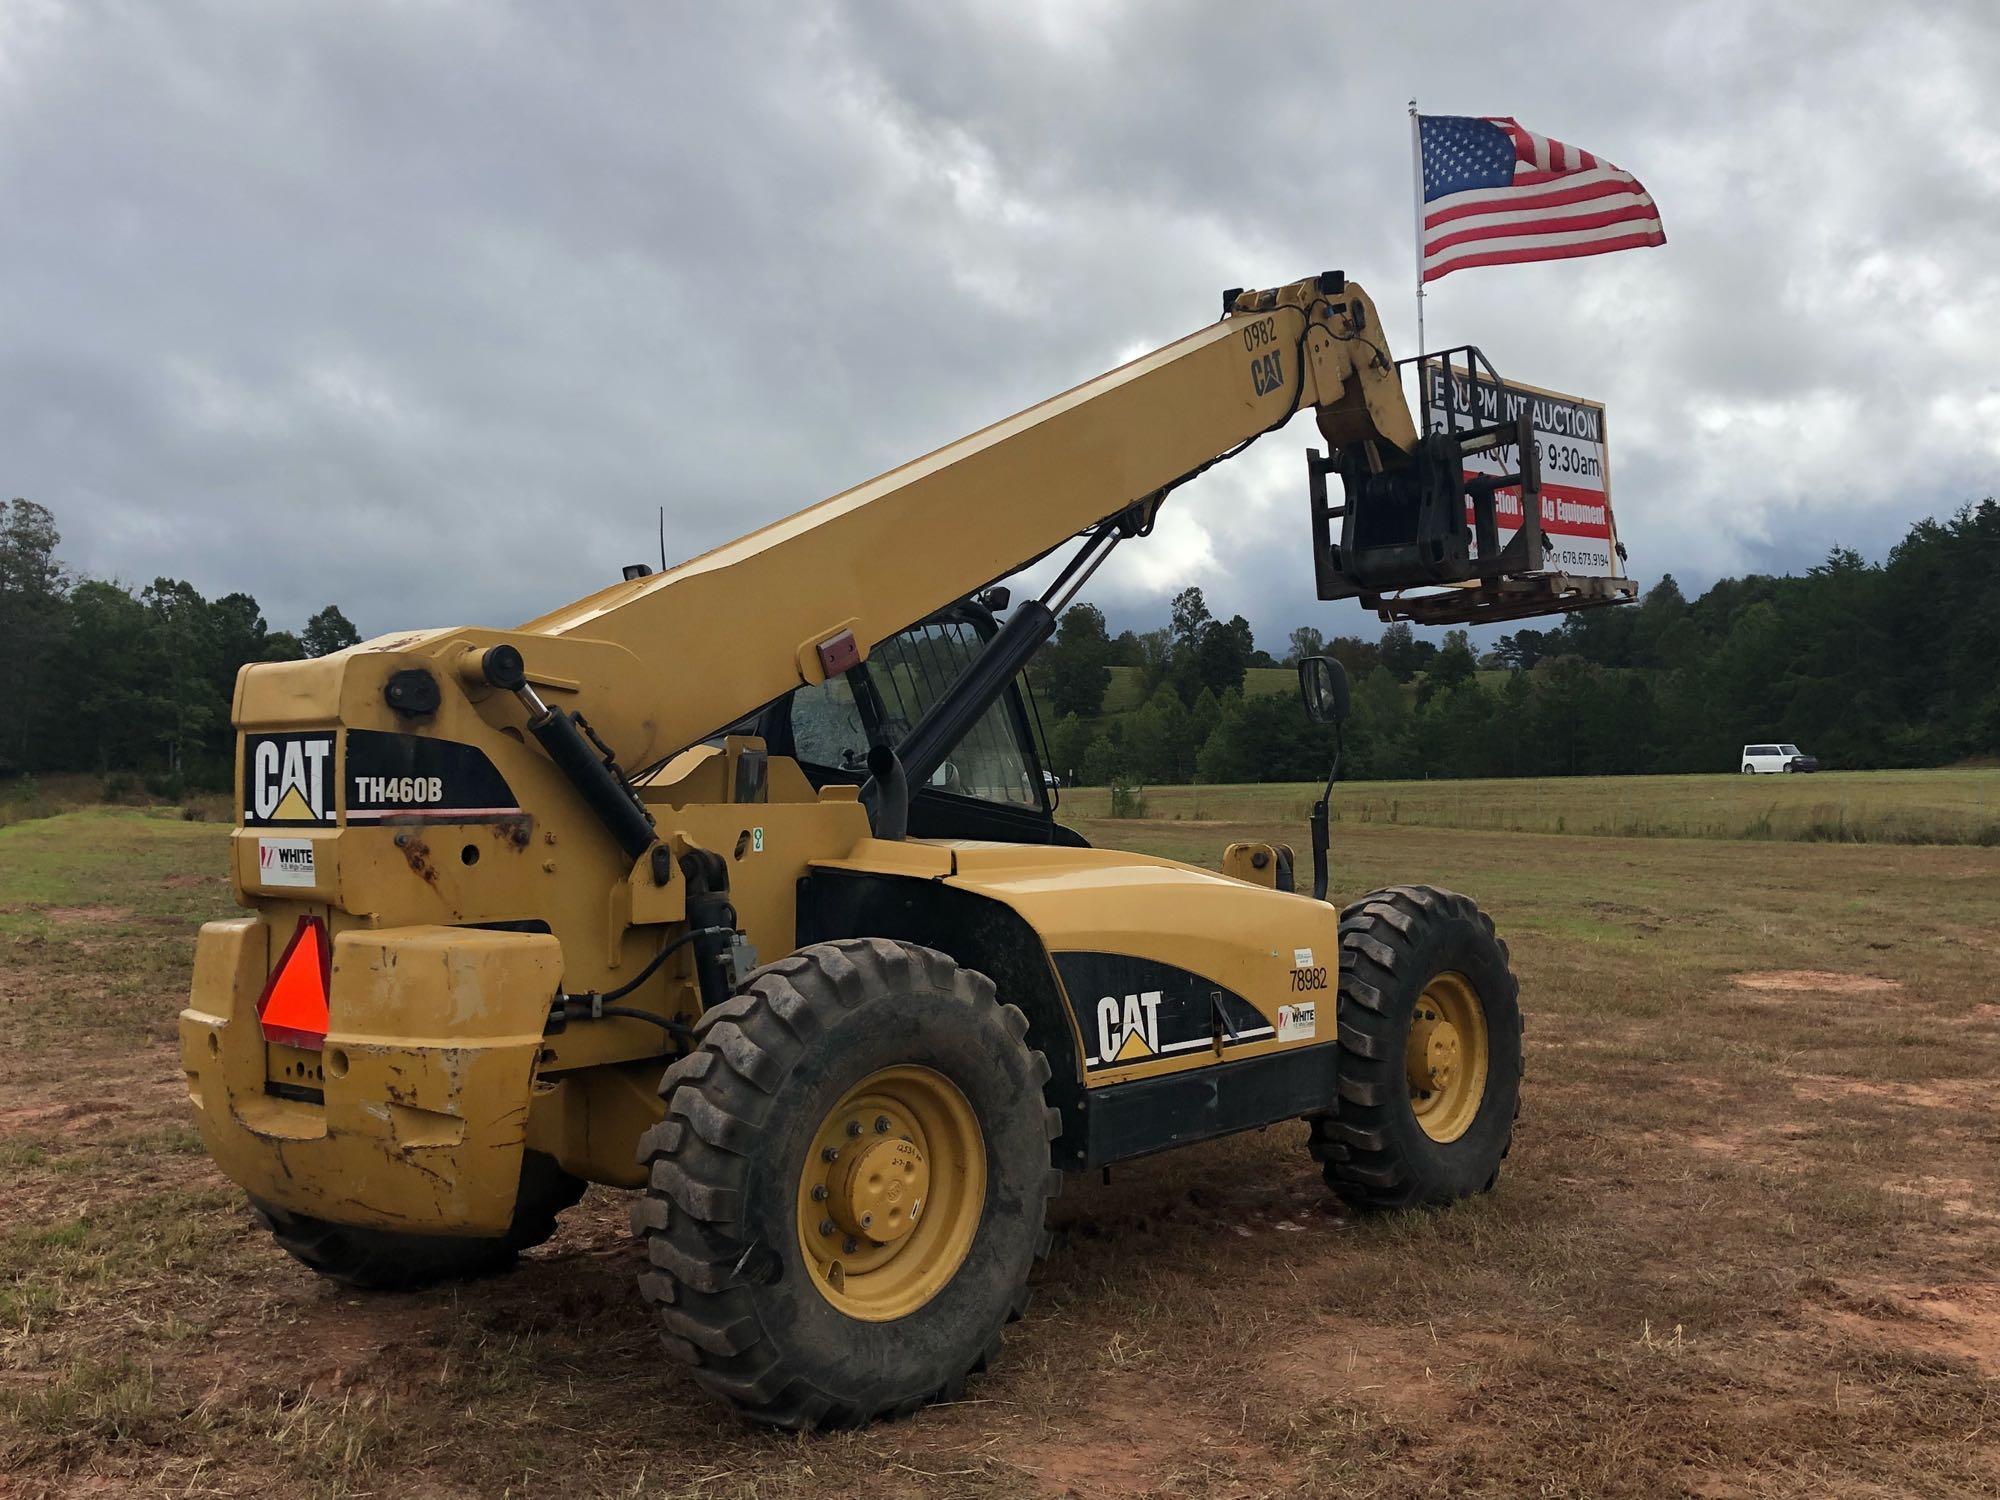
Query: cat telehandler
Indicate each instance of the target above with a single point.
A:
(739, 885)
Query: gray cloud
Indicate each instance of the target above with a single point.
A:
(424, 309)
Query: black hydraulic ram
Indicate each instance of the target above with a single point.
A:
(960, 707)
(591, 774)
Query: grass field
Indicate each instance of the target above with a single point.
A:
(1745, 1244)
(1959, 806)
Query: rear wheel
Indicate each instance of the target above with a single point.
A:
(386, 1260)
(848, 1192)
(1430, 1052)
(1749, 770)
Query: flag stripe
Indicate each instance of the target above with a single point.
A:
(1588, 215)
(1652, 236)
(1563, 236)
(1581, 185)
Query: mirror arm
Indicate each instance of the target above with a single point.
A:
(1322, 839)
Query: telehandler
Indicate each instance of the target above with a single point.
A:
(738, 885)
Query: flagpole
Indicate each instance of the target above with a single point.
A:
(1417, 185)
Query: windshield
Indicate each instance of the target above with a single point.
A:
(908, 673)
(1788, 749)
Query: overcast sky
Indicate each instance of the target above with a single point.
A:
(424, 308)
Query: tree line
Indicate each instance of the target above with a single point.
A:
(1895, 663)
(98, 676)
(1867, 665)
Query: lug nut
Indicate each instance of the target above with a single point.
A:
(826, 1227)
(819, 1195)
(848, 1247)
(881, 1124)
(854, 1127)
(830, 1153)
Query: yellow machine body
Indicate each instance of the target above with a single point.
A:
(463, 882)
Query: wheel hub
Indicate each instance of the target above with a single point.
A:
(877, 1191)
(1433, 1055)
(890, 1193)
(1445, 1060)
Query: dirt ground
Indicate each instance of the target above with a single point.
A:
(1748, 1243)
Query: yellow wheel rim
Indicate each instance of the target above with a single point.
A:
(1446, 1058)
(890, 1193)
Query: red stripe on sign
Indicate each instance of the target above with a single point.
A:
(1594, 220)
(1566, 511)
(1517, 202)
(1551, 252)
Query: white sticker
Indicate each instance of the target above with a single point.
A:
(285, 862)
(756, 841)
(1297, 1023)
(1302, 958)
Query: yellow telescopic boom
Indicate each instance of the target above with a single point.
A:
(866, 563)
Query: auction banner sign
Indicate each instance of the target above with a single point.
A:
(1576, 484)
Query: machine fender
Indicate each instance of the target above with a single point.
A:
(977, 932)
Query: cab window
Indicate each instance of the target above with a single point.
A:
(827, 729)
(911, 671)
(905, 675)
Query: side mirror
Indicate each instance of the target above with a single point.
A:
(1323, 686)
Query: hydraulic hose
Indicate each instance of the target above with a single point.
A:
(592, 1006)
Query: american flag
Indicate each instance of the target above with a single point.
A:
(1495, 195)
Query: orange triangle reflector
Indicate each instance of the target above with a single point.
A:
(293, 1010)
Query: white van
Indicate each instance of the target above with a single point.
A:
(1762, 759)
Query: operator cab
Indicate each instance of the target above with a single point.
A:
(991, 786)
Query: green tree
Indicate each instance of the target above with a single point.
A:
(34, 613)
(1159, 739)
(327, 632)
(1221, 657)
(1304, 641)
(1156, 658)
(1189, 616)
(1076, 665)
(1454, 667)
(1402, 652)
(1069, 747)
(1358, 656)
(1659, 613)
(115, 713)
(1267, 738)
(1103, 763)
(181, 629)
(1523, 648)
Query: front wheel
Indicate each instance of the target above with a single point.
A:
(1430, 1052)
(848, 1192)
